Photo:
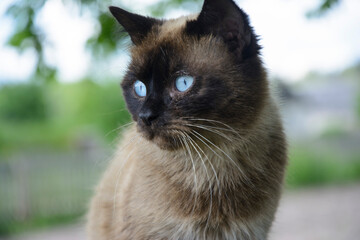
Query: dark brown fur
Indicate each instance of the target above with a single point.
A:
(172, 178)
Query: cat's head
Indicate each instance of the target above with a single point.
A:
(193, 76)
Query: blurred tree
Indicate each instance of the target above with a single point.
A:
(325, 5)
(28, 35)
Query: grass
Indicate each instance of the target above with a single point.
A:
(308, 168)
(10, 228)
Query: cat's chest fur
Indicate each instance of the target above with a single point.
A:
(148, 193)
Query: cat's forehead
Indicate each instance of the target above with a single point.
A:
(168, 34)
(171, 27)
(170, 40)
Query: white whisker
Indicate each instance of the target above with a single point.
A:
(193, 164)
(210, 130)
(118, 128)
(213, 121)
(199, 135)
(208, 177)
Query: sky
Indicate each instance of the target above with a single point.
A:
(293, 45)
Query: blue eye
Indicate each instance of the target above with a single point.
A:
(183, 83)
(140, 88)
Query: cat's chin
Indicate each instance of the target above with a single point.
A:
(164, 142)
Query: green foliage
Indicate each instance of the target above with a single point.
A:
(87, 103)
(27, 35)
(55, 114)
(108, 36)
(22, 102)
(162, 6)
(323, 8)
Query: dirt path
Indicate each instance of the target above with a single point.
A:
(313, 214)
(319, 214)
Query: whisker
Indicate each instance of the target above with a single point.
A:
(118, 128)
(228, 128)
(240, 170)
(213, 169)
(182, 144)
(212, 166)
(210, 130)
(115, 111)
(211, 120)
(217, 128)
(193, 164)
(244, 142)
(208, 177)
(242, 174)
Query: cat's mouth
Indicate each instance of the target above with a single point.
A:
(183, 136)
(164, 137)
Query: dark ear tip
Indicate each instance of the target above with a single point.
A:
(117, 11)
(113, 9)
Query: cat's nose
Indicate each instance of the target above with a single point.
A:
(148, 116)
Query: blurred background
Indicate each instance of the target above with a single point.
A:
(62, 111)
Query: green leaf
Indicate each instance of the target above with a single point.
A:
(324, 7)
(18, 38)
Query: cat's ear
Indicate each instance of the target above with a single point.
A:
(223, 18)
(136, 25)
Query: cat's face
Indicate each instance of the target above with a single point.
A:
(192, 77)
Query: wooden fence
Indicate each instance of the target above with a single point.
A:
(38, 184)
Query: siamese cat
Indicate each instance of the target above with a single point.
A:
(206, 155)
